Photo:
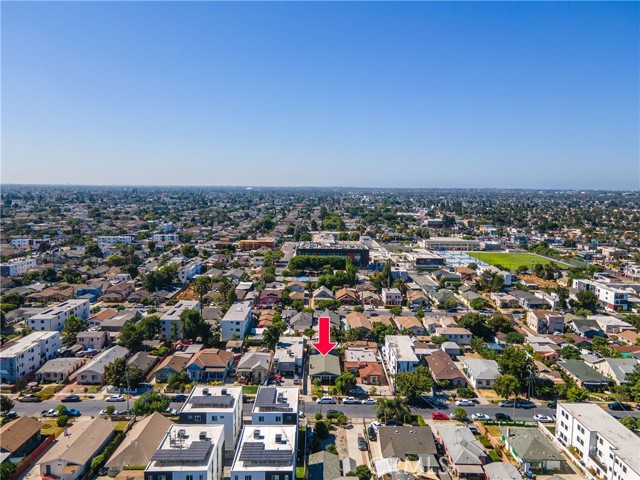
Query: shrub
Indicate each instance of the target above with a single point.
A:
(318, 416)
(97, 461)
(62, 420)
(322, 430)
(465, 392)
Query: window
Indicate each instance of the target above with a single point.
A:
(278, 419)
(214, 418)
(198, 418)
(261, 419)
(162, 477)
(189, 477)
(247, 477)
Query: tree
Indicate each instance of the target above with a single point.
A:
(379, 331)
(322, 429)
(117, 371)
(477, 303)
(392, 408)
(587, 300)
(362, 472)
(577, 394)
(151, 402)
(395, 310)
(131, 337)
(179, 381)
(413, 384)
(515, 338)
(630, 422)
(460, 414)
(438, 339)
(72, 326)
(192, 326)
(189, 251)
(476, 325)
(6, 404)
(271, 335)
(202, 286)
(570, 353)
(92, 250)
(346, 382)
(506, 385)
(498, 323)
(149, 326)
(516, 362)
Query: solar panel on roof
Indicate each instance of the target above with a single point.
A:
(266, 397)
(196, 452)
(255, 452)
(212, 401)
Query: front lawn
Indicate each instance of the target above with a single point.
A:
(300, 473)
(250, 389)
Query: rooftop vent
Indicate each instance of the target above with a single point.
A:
(256, 433)
(224, 391)
(205, 391)
(203, 436)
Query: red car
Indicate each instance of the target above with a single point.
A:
(439, 416)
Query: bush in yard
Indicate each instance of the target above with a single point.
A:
(332, 449)
(460, 414)
(96, 462)
(62, 420)
(362, 472)
(322, 430)
(465, 392)
(318, 416)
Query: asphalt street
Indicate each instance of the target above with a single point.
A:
(93, 407)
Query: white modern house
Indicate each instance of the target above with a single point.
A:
(17, 267)
(276, 406)
(289, 355)
(215, 405)
(236, 321)
(110, 240)
(399, 355)
(53, 318)
(611, 298)
(28, 354)
(266, 453)
(391, 296)
(170, 320)
(166, 237)
(188, 452)
(603, 443)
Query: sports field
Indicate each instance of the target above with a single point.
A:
(511, 260)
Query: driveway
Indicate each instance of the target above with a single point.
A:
(352, 434)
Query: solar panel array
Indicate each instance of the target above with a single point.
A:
(255, 452)
(196, 452)
(266, 397)
(225, 401)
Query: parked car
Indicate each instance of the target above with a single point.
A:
(553, 404)
(179, 398)
(171, 411)
(473, 429)
(350, 401)
(334, 412)
(619, 406)
(116, 398)
(72, 412)
(502, 416)
(357, 390)
(362, 444)
(480, 416)
(520, 403)
(465, 403)
(375, 425)
(369, 401)
(30, 398)
(372, 433)
(439, 416)
(542, 418)
(326, 400)
(296, 380)
(71, 398)
(8, 414)
(50, 413)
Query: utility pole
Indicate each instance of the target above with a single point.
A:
(126, 373)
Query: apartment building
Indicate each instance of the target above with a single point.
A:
(170, 320)
(610, 298)
(266, 453)
(28, 354)
(602, 443)
(215, 405)
(17, 267)
(166, 237)
(188, 452)
(450, 243)
(236, 321)
(391, 296)
(190, 270)
(544, 321)
(459, 335)
(399, 354)
(53, 318)
(28, 242)
(110, 240)
(289, 355)
(275, 406)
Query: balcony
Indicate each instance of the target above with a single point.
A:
(593, 455)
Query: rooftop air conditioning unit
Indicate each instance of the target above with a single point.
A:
(203, 436)
(181, 433)
(278, 438)
(224, 391)
(205, 391)
(256, 433)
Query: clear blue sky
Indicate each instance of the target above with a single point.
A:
(540, 95)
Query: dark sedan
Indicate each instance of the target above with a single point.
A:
(179, 398)
(502, 416)
(619, 406)
(71, 398)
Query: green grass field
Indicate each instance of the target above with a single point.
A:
(511, 260)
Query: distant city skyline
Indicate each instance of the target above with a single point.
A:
(407, 95)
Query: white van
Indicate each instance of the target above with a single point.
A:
(325, 400)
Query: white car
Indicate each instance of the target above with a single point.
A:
(116, 398)
(376, 425)
(328, 400)
(543, 418)
(369, 401)
(480, 416)
(350, 401)
(465, 403)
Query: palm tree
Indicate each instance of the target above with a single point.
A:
(201, 287)
(392, 408)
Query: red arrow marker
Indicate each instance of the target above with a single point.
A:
(324, 344)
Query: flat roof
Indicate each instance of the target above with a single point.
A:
(26, 343)
(403, 347)
(178, 308)
(261, 447)
(595, 419)
(63, 307)
(238, 312)
(274, 399)
(186, 447)
(212, 398)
